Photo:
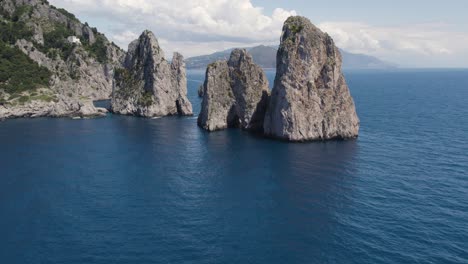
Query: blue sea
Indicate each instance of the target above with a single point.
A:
(133, 190)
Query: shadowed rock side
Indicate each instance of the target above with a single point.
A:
(250, 87)
(200, 91)
(235, 94)
(148, 85)
(310, 99)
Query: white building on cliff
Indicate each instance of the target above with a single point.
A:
(74, 40)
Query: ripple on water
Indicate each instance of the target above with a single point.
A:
(133, 190)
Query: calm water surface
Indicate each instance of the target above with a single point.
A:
(133, 190)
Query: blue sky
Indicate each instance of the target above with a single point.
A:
(378, 12)
(410, 33)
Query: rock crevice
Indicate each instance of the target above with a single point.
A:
(235, 94)
(309, 101)
(148, 85)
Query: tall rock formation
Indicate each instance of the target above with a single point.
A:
(250, 87)
(148, 85)
(310, 99)
(217, 110)
(235, 94)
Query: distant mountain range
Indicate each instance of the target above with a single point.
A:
(362, 61)
(265, 56)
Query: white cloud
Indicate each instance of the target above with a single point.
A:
(125, 36)
(195, 27)
(409, 45)
(215, 22)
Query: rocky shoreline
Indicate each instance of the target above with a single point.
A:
(43, 109)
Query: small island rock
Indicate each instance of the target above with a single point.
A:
(310, 99)
(235, 94)
(148, 85)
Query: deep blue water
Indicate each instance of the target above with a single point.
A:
(133, 190)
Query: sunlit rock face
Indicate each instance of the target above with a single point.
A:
(310, 99)
(235, 94)
(148, 85)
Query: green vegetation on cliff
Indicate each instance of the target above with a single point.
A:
(12, 31)
(123, 78)
(55, 42)
(18, 72)
(98, 49)
(48, 31)
(20, 11)
(66, 13)
(146, 99)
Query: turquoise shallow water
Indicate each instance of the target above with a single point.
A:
(132, 190)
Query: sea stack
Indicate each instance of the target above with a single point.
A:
(310, 99)
(235, 94)
(148, 85)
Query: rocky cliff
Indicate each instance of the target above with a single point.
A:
(148, 85)
(310, 99)
(235, 94)
(77, 72)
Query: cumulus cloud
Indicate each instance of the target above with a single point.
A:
(195, 27)
(216, 22)
(125, 36)
(407, 44)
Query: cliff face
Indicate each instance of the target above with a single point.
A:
(310, 99)
(250, 88)
(80, 71)
(148, 85)
(235, 94)
(217, 111)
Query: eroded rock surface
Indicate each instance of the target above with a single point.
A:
(310, 99)
(80, 72)
(148, 85)
(235, 94)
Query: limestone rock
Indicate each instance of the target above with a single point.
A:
(217, 110)
(148, 85)
(179, 82)
(250, 87)
(48, 104)
(35, 108)
(77, 78)
(89, 35)
(310, 99)
(235, 94)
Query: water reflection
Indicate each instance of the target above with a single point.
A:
(239, 191)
